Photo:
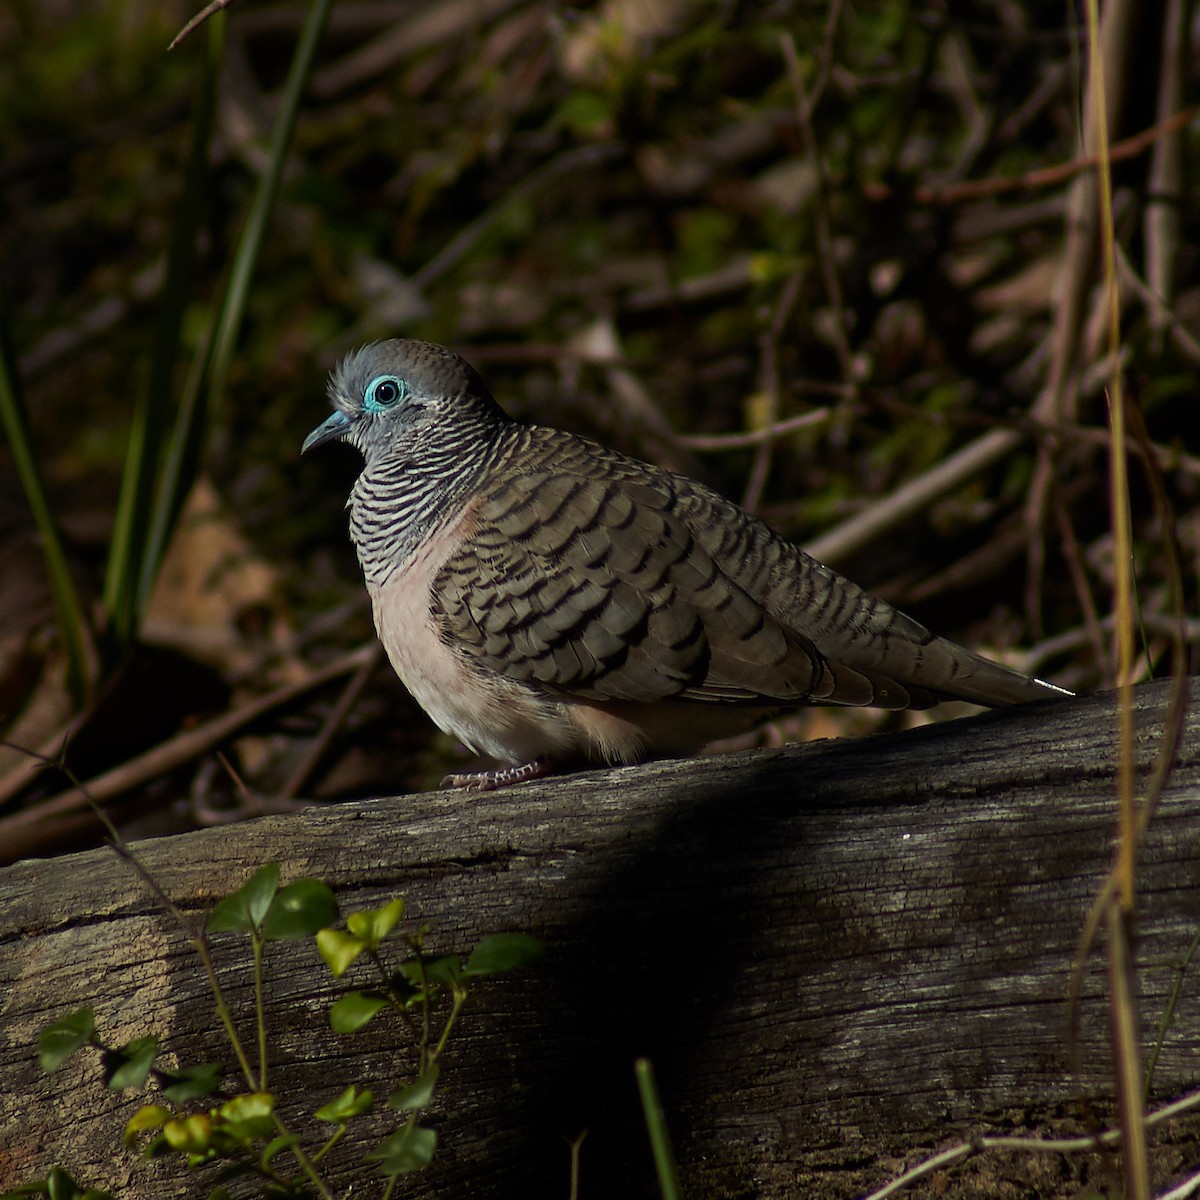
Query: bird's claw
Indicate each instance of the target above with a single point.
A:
(489, 781)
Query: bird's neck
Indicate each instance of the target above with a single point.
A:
(404, 496)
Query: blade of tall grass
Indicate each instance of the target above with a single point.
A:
(151, 418)
(206, 380)
(656, 1127)
(1122, 972)
(73, 626)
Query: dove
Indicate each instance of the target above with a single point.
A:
(551, 602)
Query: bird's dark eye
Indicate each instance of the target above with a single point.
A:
(384, 391)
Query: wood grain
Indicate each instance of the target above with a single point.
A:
(835, 954)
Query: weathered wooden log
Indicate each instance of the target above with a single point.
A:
(835, 954)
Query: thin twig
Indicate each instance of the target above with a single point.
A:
(1170, 1009)
(822, 227)
(825, 60)
(1033, 1145)
(1168, 458)
(338, 714)
(1163, 220)
(756, 437)
(215, 6)
(428, 25)
(1073, 553)
(914, 496)
(1073, 639)
(770, 387)
(1043, 177)
(1060, 399)
(919, 493)
(1182, 1191)
(178, 750)
(581, 158)
(1159, 312)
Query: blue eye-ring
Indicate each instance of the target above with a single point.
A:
(383, 392)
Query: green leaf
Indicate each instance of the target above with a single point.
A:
(408, 1149)
(60, 1186)
(418, 1094)
(229, 916)
(374, 924)
(339, 950)
(247, 1106)
(413, 972)
(190, 1083)
(60, 1040)
(149, 1116)
(260, 891)
(23, 454)
(133, 557)
(191, 1134)
(36, 1187)
(498, 952)
(656, 1127)
(351, 1103)
(244, 911)
(285, 1141)
(447, 970)
(127, 1066)
(207, 379)
(354, 1010)
(586, 114)
(402, 987)
(247, 1116)
(156, 1147)
(299, 910)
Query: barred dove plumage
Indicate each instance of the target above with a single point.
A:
(547, 600)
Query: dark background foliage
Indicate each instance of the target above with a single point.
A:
(657, 223)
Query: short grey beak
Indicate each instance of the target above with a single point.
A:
(337, 426)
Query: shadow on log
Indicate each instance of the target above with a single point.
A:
(837, 955)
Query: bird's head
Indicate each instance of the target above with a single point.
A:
(388, 395)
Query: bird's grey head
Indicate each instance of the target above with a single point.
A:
(390, 396)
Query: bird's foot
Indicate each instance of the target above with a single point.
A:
(489, 781)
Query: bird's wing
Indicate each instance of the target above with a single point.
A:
(581, 573)
(853, 631)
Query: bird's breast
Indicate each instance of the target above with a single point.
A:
(491, 714)
(394, 513)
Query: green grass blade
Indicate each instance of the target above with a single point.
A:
(207, 378)
(656, 1127)
(151, 421)
(246, 258)
(72, 623)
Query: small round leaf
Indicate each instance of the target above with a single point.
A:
(192, 1134)
(149, 1116)
(299, 910)
(418, 1094)
(498, 952)
(408, 1149)
(354, 1010)
(59, 1041)
(245, 910)
(374, 924)
(190, 1083)
(351, 1103)
(339, 949)
(127, 1066)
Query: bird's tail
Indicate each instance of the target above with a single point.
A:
(966, 675)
